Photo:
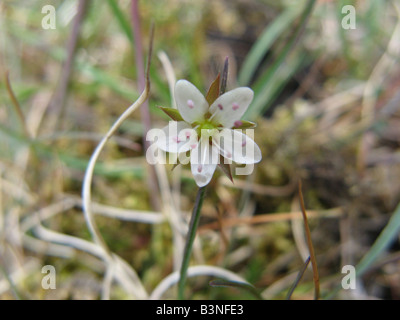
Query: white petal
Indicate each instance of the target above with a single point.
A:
(230, 107)
(190, 102)
(203, 160)
(236, 146)
(173, 137)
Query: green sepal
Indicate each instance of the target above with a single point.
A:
(245, 125)
(172, 113)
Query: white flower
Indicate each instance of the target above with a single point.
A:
(207, 131)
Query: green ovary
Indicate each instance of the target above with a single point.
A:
(206, 128)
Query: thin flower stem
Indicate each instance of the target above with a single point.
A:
(194, 222)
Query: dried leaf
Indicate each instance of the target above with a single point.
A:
(224, 76)
(213, 91)
(225, 167)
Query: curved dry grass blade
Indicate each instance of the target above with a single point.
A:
(236, 284)
(201, 270)
(123, 274)
(87, 181)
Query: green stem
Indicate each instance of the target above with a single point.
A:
(194, 222)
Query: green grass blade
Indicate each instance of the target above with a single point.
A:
(264, 43)
(266, 94)
(384, 240)
(71, 161)
(95, 73)
(121, 19)
(99, 76)
(261, 93)
(162, 89)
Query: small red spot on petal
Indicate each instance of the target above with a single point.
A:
(243, 143)
(238, 123)
(199, 168)
(187, 134)
(176, 139)
(193, 146)
(235, 106)
(220, 107)
(190, 104)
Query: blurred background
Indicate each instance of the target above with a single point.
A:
(326, 80)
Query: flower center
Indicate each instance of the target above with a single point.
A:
(206, 128)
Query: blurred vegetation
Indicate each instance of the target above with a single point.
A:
(326, 104)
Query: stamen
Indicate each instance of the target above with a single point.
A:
(235, 106)
(190, 104)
